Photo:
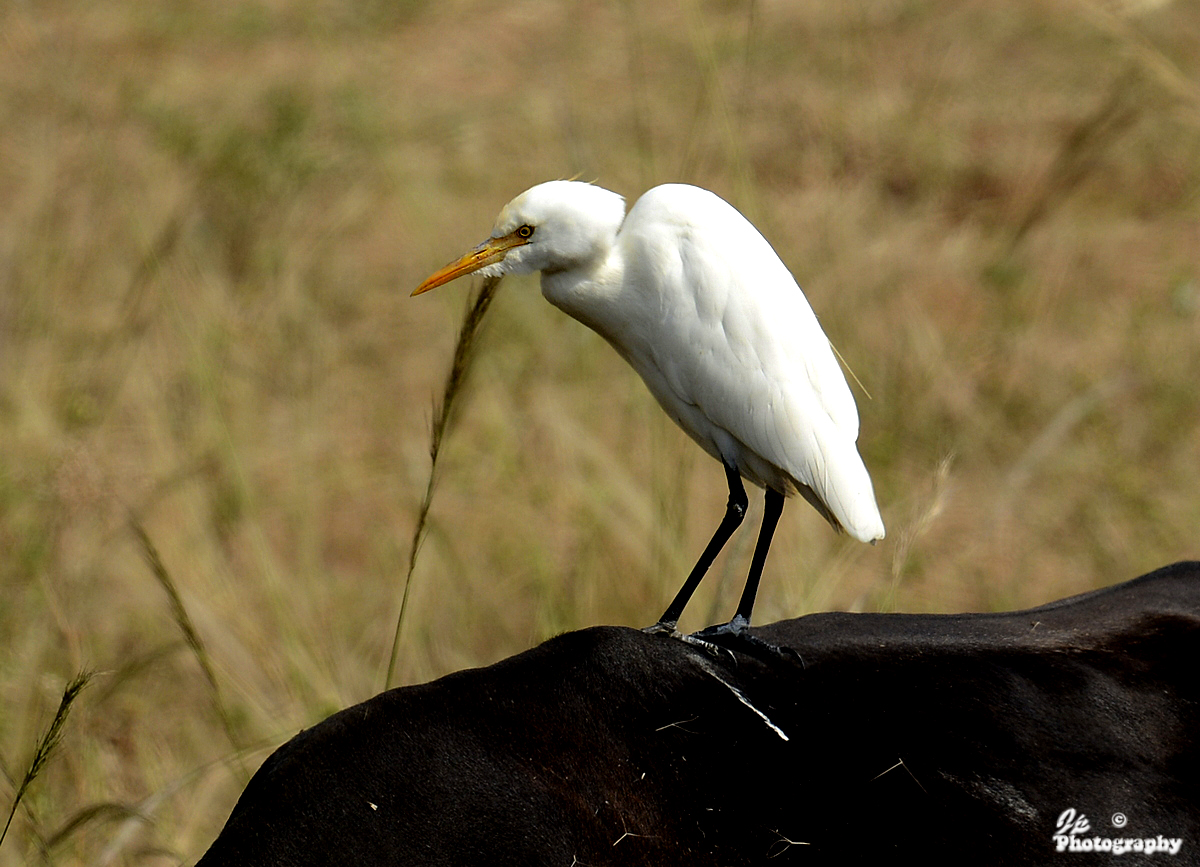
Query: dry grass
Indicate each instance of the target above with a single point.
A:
(213, 214)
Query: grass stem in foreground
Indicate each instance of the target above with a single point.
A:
(184, 621)
(455, 380)
(48, 743)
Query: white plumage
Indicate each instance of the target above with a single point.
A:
(700, 305)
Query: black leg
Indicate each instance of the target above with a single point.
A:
(735, 510)
(771, 513)
(736, 633)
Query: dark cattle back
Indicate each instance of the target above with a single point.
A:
(949, 739)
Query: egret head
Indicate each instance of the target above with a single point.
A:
(554, 226)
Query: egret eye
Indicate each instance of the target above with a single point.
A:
(662, 283)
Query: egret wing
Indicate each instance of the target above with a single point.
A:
(737, 357)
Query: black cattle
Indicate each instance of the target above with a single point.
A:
(944, 739)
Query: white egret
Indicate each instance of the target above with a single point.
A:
(696, 300)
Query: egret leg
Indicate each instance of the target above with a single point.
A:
(771, 513)
(736, 633)
(735, 511)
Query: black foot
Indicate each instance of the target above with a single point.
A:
(669, 630)
(736, 636)
(662, 628)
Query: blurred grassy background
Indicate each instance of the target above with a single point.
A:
(213, 213)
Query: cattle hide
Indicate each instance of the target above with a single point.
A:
(947, 739)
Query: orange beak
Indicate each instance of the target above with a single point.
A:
(491, 250)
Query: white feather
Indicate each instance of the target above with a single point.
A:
(701, 306)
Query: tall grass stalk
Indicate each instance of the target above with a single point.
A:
(184, 621)
(455, 380)
(48, 743)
